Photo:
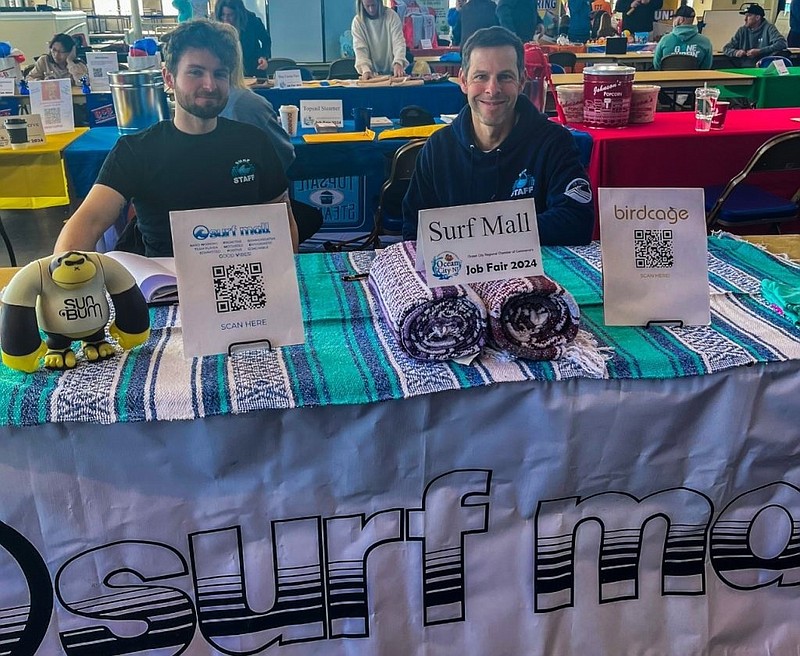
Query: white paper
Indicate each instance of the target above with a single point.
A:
(425, 44)
(52, 100)
(655, 256)
(472, 243)
(36, 136)
(8, 86)
(236, 278)
(144, 62)
(288, 79)
(780, 66)
(154, 275)
(100, 64)
(321, 111)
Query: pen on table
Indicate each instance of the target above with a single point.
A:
(352, 277)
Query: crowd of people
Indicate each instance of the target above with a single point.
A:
(499, 146)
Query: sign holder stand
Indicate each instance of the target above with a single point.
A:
(235, 347)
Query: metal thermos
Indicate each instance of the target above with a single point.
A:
(139, 99)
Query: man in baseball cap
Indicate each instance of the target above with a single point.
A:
(755, 39)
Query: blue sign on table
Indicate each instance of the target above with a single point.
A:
(340, 200)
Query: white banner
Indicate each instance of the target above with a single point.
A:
(519, 519)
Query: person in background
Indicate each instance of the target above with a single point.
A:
(454, 21)
(520, 17)
(684, 40)
(602, 5)
(253, 36)
(755, 39)
(475, 15)
(196, 160)
(580, 23)
(794, 25)
(378, 40)
(500, 147)
(60, 62)
(638, 15)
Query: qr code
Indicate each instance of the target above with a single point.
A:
(52, 115)
(239, 287)
(97, 72)
(653, 249)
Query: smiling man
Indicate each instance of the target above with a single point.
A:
(195, 161)
(500, 147)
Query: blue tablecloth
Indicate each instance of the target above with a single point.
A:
(367, 161)
(439, 98)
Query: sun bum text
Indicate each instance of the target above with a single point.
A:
(319, 567)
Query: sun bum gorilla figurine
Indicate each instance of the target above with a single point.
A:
(65, 296)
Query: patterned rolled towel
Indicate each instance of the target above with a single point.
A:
(534, 317)
(444, 323)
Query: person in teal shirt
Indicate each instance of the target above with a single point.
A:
(684, 40)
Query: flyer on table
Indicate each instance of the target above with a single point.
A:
(100, 64)
(52, 100)
(237, 282)
(473, 243)
(655, 256)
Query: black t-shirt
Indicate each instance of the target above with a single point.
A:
(162, 169)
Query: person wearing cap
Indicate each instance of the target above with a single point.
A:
(684, 40)
(794, 25)
(755, 39)
(500, 147)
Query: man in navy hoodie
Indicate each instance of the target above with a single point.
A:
(501, 148)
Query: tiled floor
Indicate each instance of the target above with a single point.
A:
(33, 233)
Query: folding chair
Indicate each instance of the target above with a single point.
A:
(764, 62)
(343, 69)
(738, 203)
(678, 62)
(7, 241)
(276, 63)
(389, 214)
(566, 60)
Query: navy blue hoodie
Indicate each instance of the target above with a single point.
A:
(538, 160)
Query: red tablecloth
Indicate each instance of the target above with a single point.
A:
(669, 153)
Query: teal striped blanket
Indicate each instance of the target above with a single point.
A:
(350, 355)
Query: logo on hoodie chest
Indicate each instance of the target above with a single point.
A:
(523, 185)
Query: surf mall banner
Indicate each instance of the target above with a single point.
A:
(537, 518)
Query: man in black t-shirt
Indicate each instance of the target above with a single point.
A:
(195, 161)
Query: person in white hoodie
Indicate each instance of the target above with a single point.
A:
(684, 40)
(378, 40)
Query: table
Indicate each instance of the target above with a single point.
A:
(426, 521)
(628, 59)
(671, 78)
(669, 153)
(34, 178)
(768, 89)
(356, 169)
(439, 98)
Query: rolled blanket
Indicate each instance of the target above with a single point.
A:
(443, 323)
(534, 317)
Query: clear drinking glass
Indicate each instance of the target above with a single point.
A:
(705, 103)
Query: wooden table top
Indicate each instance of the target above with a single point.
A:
(670, 78)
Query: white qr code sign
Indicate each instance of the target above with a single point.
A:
(655, 257)
(236, 279)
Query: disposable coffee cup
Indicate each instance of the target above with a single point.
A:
(704, 105)
(570, 97)
(720, 110)
(17, 129)
(288, 114)
(362, 117)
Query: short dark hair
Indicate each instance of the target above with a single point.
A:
(494, 37)
(64, 40)
(218, 38)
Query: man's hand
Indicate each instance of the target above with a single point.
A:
(739, 53)
(399, 71)
(262, 63)
(753, 52)
(367, 75)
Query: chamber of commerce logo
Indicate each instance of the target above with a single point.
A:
(243, 171)
(579, 190)
(523, 185)
(446, 265)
